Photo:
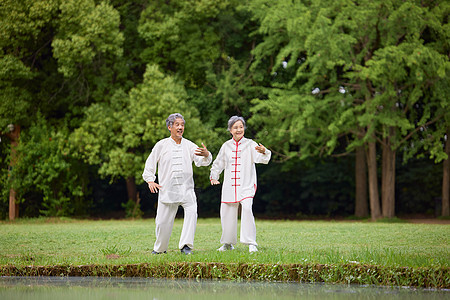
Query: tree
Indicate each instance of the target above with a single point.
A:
(183, 36)
(13, 135)
(351, 69)
(118, 135)
(436, 144)
(207, 45)
(407, 76)
(87, 45)
(21, 44)
(40, 38)
(44, 167)
(361, 205)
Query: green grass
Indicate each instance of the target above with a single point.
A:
(47, 242)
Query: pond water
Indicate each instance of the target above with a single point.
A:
(148, 288)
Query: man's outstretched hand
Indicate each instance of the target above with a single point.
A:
(202, 151)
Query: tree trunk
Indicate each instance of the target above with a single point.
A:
(13, 206)
(361, 207)
(14, 135)
(373, 181)
(131, 189)
(388, 179)
(446, 179)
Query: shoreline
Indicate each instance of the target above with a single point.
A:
(432, 277)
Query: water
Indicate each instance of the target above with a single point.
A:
(147, 288)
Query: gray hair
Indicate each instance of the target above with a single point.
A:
(233, 120)
(171, 119)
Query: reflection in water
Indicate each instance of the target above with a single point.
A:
(149, 288)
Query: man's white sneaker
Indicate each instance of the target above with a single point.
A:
(226, 247)
(252, 248)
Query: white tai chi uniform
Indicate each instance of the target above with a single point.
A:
(174, 163)
(238, 159)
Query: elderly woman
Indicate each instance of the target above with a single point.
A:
(238, 157)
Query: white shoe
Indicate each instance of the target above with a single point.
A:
(226, 247)
(252, 248)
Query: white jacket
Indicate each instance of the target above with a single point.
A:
(238, 159)
(174, 164)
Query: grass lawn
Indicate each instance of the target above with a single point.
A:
(50, 242)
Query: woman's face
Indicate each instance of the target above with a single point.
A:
(237, 130)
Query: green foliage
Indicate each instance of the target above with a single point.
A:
(382, 71)
(22, 23)
(306, 188)
(326, 187)
(45, 167)
(111, 72)
(132, 209)
(21, 27)
(86, 31)
(119, 134)
(37, 38)
(183, 36)
(88, 48)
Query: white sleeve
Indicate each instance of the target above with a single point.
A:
(199, 161)
(151, 163)
(260, 158)
(218, 165)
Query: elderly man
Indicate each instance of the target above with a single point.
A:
(173, 156)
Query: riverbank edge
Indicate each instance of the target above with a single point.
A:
(432, 277)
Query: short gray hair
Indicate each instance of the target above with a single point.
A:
(171, 119)
(233, 120)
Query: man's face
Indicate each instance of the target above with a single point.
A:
(237, 130)
(177, 129)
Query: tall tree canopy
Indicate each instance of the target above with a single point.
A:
(56, 58)
(119, 134)
(367, 70)
(87, 85)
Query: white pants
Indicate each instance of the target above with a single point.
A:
(229, 218)
(165, 216)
